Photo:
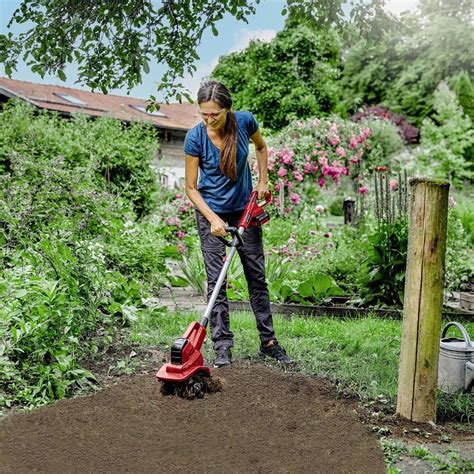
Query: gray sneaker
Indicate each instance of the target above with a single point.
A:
(275, 351)
(223, 357)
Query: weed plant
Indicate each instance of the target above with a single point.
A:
(448, 461)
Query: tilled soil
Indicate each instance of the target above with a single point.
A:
(264, 420)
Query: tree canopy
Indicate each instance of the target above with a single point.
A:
(113, 42)
(293, 76)
(403, 71)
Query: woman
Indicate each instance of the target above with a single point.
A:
(216, 151)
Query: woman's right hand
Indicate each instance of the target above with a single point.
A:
(218, 227)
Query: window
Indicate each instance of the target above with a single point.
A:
(71, 99)
(155, 113)
(163, 180)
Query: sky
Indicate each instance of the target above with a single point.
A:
(233, 36)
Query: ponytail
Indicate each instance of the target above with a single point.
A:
(229, 150)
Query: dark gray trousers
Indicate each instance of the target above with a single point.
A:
(253, 262)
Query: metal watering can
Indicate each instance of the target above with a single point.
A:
(456, 362)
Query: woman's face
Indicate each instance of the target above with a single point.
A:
(213, 114)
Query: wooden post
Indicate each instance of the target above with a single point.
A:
(418, 372)
(349, 211)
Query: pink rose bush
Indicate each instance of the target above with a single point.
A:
(319, 151)
(176, 219)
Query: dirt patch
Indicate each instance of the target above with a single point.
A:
(264, 420)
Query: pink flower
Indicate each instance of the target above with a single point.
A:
(282, 172)
(321, 182)
(393, 183)
(340, 151)
(334, 139)
(298, 176)
(181, 209)
(277, 186)
(353, 141)
(173, 221)
(178, 196)
(181, 234)
(319, 209)
(363, 190)
(181, 246)
(295, 198)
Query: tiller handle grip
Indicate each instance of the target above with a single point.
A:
(237, 240)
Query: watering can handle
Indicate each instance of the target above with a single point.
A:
(461, 328)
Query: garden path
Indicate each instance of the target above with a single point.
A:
(264, 420)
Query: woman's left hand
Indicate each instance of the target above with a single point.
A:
(262, 189)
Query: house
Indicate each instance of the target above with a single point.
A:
(172, 120)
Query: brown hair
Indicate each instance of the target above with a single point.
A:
(218, 93)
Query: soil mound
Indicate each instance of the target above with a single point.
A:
(263, 420)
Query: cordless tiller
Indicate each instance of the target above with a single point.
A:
(186, 375)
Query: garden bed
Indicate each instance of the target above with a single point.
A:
(263, 420)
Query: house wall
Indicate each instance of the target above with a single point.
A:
(171, 152)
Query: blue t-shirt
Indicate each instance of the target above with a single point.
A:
(221, 193)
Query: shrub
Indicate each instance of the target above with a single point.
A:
(315, 152)
(74, 261)
(459, 257)
(336, 206)
(445, 137)
(384, 143)
(410, 133)
(121, 155)
(465, 94)
(383, 280)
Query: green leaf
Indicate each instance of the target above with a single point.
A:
(178, 281)
(61, 75)
(321, 283)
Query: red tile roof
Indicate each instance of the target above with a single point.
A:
(177, 116)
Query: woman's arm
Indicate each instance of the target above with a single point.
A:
(191, 166)
(262, 163)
